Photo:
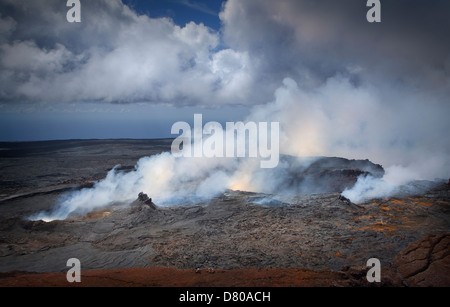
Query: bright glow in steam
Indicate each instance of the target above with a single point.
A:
(336, 119)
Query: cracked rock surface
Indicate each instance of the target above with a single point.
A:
(426, 262)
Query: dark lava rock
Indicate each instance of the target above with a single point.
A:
(322, 174)
(426, 263)
(235, 230)
(142, 197)
(334, 163)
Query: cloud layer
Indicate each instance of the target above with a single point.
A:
(113, 55)
(116, 55)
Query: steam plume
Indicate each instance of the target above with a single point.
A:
(337, 119)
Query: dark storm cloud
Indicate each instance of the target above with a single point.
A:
(320, 38)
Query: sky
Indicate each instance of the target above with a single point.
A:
(338, 84)
(181, 11)
(25, 119)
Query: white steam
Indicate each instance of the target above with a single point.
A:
(368, 187)
(392, 128)
(398, 128)
(164, 177)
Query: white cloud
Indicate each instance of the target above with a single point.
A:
(114, 55)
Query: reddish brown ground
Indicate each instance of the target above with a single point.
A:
(160, 276)
(424, 263)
